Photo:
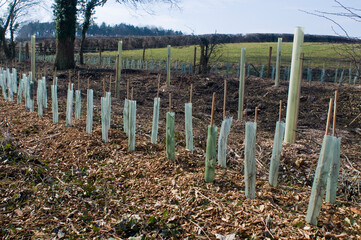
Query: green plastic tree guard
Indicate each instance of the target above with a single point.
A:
(9, 86)
(170, 142)
(45, 94)
(69, 105)
(77, 104)
(250, 160)
(33, 50)
(15, 80)
(89, 111)
(32, 101)
(39, 98)
(20, 91)
(294, 87)
(104, 112)
(241, 83)
(222, 141)
(278, 61)
(276, 153)
(132, 124)
(54, 103)
(3, 86)
(211, 154)
(332, 180)
(189, 126)
(320, 180)
(155, 120)
(126, 116)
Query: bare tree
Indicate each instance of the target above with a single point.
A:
(15, 12)
(349, 51)
(87, 9)
(65, 12)
(209, 45)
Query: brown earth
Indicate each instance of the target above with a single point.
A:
(59, 182)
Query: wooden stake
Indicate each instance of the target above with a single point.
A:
(334, 114)
(158, 85)
(224, 99)
(329, 116)
(280, 112)
(78, 80)
(191, 93)
(170, 102)
(255, 114)
(132, 94)
(110, 83)
(104, 86)
(128, 88)
(69, 77)
(88, 82)
(212, 112)
(269, 62)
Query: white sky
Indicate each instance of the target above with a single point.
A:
(231, 16)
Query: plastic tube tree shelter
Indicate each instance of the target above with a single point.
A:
(9, 85)
(118, 69)
(31, 94)
(20, 90)
(250, 158)
(54, 97)
(89, 109)
(294, 87)
(126, 111)
(3, 85)
(69, 103)
(154, 135)
(33, 50)
(15, 80)
(278, 61)
(321, 174)
(39, 97)
(168, 66)
(241, 83)
(132, 123)
(332, 180)
(105, 113)
(78, 100)
(277, 150)
(170, 142)
(211, 155)
(188, 122)
(224, 132)
(45, 94)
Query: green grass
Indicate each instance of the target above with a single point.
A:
(316, 54)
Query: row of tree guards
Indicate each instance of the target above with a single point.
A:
(326, 176)
(276, 72)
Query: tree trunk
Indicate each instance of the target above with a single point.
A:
(82, 42)
(65, 15)
(64, 54)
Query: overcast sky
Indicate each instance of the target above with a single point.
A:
(232, 16)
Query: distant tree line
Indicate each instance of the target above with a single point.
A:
(47, 30)
(93, 44)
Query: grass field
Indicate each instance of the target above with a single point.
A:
(316, 54)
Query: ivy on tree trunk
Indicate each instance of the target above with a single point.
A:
(65, 16)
